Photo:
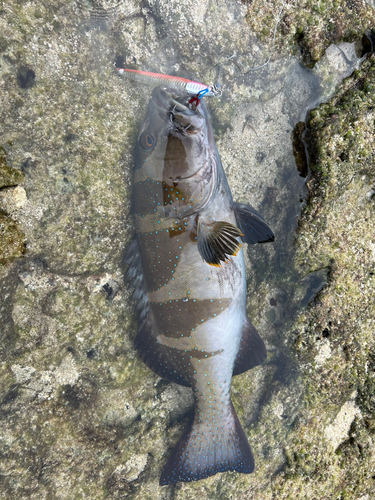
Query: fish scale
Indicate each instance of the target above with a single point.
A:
(188, 269)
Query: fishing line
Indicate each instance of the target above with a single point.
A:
(239, 64)
(273, 40)
(195, 89)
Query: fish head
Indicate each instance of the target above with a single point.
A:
(176, 149)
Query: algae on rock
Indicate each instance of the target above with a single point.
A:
(81, 416)
(332, 452)
(12, 240)
(313, 25)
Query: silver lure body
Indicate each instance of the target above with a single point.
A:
(194, 327)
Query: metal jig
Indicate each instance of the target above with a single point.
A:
(194, 89)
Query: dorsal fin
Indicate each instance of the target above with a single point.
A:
(134, 273)
(252, 351)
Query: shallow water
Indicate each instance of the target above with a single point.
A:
(70, 125)
(259, 124)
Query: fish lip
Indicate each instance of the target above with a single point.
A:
(177, 105)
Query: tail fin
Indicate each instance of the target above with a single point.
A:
(208, 448)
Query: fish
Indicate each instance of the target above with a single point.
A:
(187, 269)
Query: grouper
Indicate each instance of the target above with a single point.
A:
(187, 268)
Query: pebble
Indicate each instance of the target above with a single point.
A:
(19, 196)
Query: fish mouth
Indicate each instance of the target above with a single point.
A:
(179, 106)
(175, 102)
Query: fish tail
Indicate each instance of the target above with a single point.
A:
(208, 448)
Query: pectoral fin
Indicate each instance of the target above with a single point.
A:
(217, 241)
(252, 224)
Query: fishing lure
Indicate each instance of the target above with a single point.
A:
(194, 89)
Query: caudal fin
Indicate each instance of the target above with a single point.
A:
(208, 448)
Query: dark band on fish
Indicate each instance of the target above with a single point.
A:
(148, 195)
(179, 318)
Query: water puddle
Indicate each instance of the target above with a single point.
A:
(71, 125)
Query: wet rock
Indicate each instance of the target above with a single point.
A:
(338, 432)
(81, 415)
(12, 239)
(23, 373)
(116, 409)
(8, 176)
(314, 27)
(335, 230)
(67, 373)
(132, 468)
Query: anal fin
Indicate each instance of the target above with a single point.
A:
(252, 351)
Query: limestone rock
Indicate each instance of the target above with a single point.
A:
(81, 416)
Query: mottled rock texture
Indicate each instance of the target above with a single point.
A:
(314, 25)
(12, 241)
(336, 231)
(80, 415)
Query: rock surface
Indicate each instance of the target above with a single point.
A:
(81, 416)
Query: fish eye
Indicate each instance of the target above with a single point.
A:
(146, 141)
